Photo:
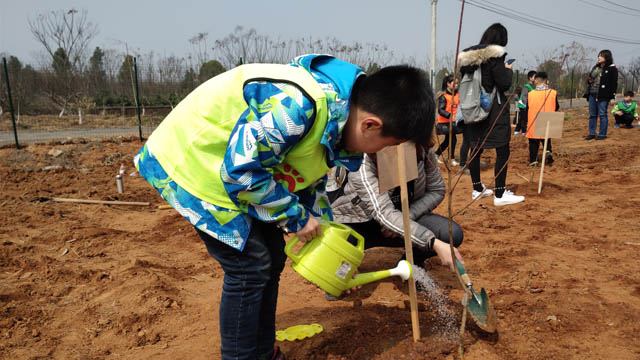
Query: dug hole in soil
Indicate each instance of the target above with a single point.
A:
(85, 281)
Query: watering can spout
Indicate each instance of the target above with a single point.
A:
(403, 269)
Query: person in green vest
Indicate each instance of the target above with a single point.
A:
(244, 158)
(521, 126)
(625, 112)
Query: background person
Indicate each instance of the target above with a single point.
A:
(541, 99)
(602, 83)
(521, 127)
(490, 55)
(448, 103)
(625, 112)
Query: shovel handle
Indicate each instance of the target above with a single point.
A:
(461, 269)
(465, 278)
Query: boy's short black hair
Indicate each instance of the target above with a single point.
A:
(629, 93)
(531, 73)
(401, 96)
(542, 75)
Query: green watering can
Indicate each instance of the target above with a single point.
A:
(480, 307)
(330, 260)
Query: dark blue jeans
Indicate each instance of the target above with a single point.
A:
(598, 108)
(249, 292)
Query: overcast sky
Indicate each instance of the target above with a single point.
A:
(403, 25)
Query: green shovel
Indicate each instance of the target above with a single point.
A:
(479, 305)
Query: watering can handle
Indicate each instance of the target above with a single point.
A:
(288, 249)
(360, 238)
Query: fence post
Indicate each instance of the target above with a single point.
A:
(135, 76)
(571, 94)
(13, 119)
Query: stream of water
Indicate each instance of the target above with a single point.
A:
(445, 322)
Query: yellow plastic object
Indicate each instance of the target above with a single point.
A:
(298, 332)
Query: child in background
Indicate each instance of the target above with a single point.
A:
(447, 109)
(245, 155)
(625, 112)
(541, 99)
(521, 127)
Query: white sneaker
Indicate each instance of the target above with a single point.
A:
(439, 158)
(516, 133)
(475, 195)
(454, 162)
(507, 198)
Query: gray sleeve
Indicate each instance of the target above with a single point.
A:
(525, 95)
(435, 188)
(381, 207)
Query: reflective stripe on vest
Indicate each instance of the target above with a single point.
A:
(537, 103)
(450, 104)
(191, 141)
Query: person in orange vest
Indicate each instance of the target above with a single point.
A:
(541, 99)
(447, 108)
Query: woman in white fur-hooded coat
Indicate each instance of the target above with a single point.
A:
(490, 56)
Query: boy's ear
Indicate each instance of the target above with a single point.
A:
(371, 122)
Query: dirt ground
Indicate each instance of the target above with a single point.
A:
(86, 281)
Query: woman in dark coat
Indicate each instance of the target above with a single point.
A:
(601, 89)
(490, 55)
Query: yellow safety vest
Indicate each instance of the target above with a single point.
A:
(191, 141)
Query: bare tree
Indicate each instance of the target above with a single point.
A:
(200, 48)
(66, 30)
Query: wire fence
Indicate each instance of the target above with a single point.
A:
(107, 123)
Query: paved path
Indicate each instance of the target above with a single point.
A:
(37, 136)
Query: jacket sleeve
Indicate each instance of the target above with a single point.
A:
(615, 109)
(278, 115)
(501, 75)
(613, 82)
(434, 188)
(380, 206)
(525, 96)
(442, 107)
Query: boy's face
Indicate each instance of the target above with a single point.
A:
(532, 79)
(363, 133)
(628, 99)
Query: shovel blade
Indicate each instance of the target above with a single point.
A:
(482, 311)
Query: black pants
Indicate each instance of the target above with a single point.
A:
(624, 119)
(443, 129)
(464, 150)
(521, 125)
(439, 225)
(502, 156)
(534, 144)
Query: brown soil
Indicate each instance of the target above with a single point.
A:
(100, 281)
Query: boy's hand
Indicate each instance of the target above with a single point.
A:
(619, 112)
(508, 66)
(310, 230)
(387, 233)
(444, 254)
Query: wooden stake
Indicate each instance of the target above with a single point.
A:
(544, 156)
(104, 202)
(408, 248)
